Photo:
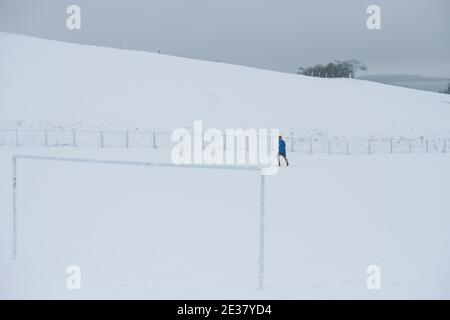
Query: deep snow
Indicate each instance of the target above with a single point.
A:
(51, 81)
(188, 233)
(166, 233)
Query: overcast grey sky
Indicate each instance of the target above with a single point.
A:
(271, 34)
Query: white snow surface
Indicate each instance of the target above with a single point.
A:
(156, 233)
(42, 80)
(141, 232)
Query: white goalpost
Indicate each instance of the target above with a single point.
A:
(17, 157)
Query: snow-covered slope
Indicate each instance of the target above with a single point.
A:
(49, 80)
(139, 232)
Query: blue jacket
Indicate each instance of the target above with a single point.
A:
(282, 147)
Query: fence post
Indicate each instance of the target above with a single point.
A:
(348, 147)
(46, 138)
(409, 145)
(154, 140)
(426, 146)
(17, 138)
(445, 146)
(292, 142)
(329, 147)
(391, 145)
(310, 146)
(127, 139)
(14, 204)
(101, 139)
(224, 142)
(74, 138)
(369, 147)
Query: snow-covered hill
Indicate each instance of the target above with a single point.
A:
(144, 232)
(42, 80)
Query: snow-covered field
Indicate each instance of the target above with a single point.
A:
(191, 233)
(140, 232)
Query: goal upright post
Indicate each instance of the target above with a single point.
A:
(261, 232)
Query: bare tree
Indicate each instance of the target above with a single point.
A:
(350, 67)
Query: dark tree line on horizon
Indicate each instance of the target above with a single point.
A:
(335, 69)
(447, 91)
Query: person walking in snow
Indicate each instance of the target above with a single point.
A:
(282, 151)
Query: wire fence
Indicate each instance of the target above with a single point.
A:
(296, 142)
(368, 146)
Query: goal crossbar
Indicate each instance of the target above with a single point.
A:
(16, 157)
